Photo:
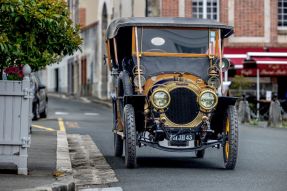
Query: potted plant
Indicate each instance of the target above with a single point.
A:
(35, 33)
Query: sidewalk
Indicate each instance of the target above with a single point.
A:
(41, 164)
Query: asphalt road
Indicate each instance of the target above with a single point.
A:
(262, 162)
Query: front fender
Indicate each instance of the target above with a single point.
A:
(138, 102)
(224, 101)
(219, 114)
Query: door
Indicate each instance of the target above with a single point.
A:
(282, 88)
(70, 76)
(57, 80)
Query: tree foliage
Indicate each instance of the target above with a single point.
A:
(240, 83)
(35, 32)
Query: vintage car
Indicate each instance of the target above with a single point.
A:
(168, 87)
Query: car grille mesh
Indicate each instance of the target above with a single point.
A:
(183, 106)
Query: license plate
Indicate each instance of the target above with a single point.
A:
(181, 137)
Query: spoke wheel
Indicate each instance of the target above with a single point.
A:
(230, 145)
(130, 136)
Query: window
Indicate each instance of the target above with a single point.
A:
(174, 40)
(178, 40)
(207, 9)
(282, 13)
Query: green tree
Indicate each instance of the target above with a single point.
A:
(35, 32)
(240, 83)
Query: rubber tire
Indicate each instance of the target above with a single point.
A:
(118, 145)
(232, 138)
(200, 153)
(44, 113)
(130, 136)
(36, 114)
(124, 89)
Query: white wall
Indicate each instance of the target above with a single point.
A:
(91, 7)
(139, 8)
(63, 78)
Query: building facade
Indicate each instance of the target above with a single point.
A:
(85, 72)
(258, 47)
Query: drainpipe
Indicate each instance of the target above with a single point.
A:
(146, 8)
(133, 5)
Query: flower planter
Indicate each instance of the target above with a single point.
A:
(15, 121)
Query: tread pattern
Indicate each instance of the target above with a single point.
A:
(230, 163)
(124, 89)
(130, 139)
(126, 83)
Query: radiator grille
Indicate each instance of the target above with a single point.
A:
(183, 106)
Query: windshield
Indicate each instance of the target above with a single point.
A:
(191, 41)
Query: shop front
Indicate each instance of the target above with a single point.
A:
(266, 72)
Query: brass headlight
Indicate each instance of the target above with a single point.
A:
(136, 80)
(208, 99)
(214, 82)
(160, 98)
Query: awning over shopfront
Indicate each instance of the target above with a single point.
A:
(246, 61)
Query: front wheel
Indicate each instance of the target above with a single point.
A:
(130, 136)
(230, 145)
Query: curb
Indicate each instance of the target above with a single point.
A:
(102, 102)
(65, 180)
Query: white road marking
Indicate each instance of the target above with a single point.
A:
(61, 113)
(92, 114)
(103, 189)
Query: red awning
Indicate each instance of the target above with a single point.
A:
(262, 72)
(268, 66)
(244, 50)
(268, 60)
(237, 56)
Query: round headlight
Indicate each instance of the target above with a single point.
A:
(160, 99)
(208, 100)
(214, 82)
(136, 80)
(225, 64)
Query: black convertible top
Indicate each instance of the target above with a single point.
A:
(117, 24)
